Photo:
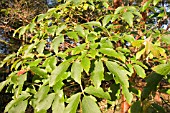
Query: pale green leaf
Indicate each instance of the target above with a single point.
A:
(59, 70)
(42, 93)
(76, 70)
(98, 92)
(98, 74)
(127, 94)
(73, 35)
(106, 20)
(89, 105)
(156, 2)
(140, 53)
(86, 64)
(80, 31)
(140, 71)
(146, 5)
(58, 104)
(20, 107)
(56, 43)
(51, 30)
(39, 71)
(73, 102)
(128, 17)
(46, 103)
(119, 10)
(129, 38)
(166, 39)
(119, 72)
(40, 17)
(162, 69)
(34, 63)
(60, 28)
(3, 84)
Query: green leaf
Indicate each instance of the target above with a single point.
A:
(60, 28)
(98, 74)
(166, 39)
(35, 63)
(76, 70)
(89, 105)
(42, 93)
(156, 2)
(32, 26)
(98, 92)
(3, 84)
(58, 104)
(46, 103)
(94, 23)
(140, 71)
(51, 30)
(39, 71)
(20, 107)
(17, 101)
(146, 5)
(128, 17)
(73, 103)
(105, 43)
(119, 72)
(113, 53)
(119, 10)
(56, 43)
(80, 31)
(73, 35)
(59, 70)
(22, 30)
(162, 69)
(86, 64)
(121, 76)
(127, 94)
(106, 20)
(140, 53)
(152, 81)
(136, 107)
(129, 38)
(41, 17)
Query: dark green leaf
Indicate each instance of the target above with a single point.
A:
(89, 105)
(152, 81)
(136, 107)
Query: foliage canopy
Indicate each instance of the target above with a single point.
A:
(81, 52)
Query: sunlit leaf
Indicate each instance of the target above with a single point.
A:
(140, 71)
(56, 43)
(86, 64)
(76, 70)
(128, 17)
(98, 92)
(98, 74)
(89, 105)
(162, 69)
(46, 103)
(58, 104)
(156, 2)
(73, 35)
(39, 71)
(73, 102)
(58, 71)
(106, 20)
